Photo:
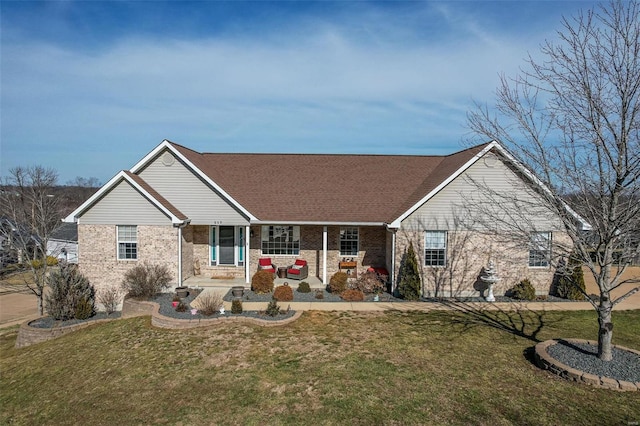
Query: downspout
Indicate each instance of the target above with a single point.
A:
(324, 255)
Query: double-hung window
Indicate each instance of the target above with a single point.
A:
(279, 239)
(127, 242)
(349, 241)
(435, 248)
(539, 249)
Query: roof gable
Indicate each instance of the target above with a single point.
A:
(177, 218)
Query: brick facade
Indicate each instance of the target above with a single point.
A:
(467, 254)
(98, 257)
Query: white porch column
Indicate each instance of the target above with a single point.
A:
(247, 238)
(393, 260)
(324, 255)
(179, 256)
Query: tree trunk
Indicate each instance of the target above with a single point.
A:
(40, 304)
(605, 331)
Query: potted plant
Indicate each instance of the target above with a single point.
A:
(182, 291)
(237, 291)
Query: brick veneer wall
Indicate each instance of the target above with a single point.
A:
(470, 255)
(97, 257)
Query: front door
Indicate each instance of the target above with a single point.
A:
(226, 242)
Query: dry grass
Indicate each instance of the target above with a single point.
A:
(326, 368)
(17, 278)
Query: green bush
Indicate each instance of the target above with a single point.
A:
(182, 307)
(144, 281)
(52, 261)
(319, 294)
(352, 295)
(84, 309)
(570, 282)
(272, 308)
(304, 287)
(409, 283)
(523, 290)
(283, 293)
(236, 306)
(338, 282)
(262, 282)
(70, 296)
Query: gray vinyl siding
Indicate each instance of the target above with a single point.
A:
(189, 194)
(123, 205)
(439, 212)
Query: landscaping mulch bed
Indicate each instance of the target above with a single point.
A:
(165, 299)
(251, 296)
(545, 298)
(49, 322)
(584, 357)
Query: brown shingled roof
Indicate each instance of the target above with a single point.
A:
(327, 188)
(159, 198)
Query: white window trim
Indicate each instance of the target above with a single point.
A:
(357, 241)
(236, 246)
(262, 232)
(118, 242)
(548, 250)
(446, 243)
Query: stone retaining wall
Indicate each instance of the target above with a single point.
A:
(547, 362)
(28, 335)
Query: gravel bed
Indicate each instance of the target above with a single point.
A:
(583, 357)
(165, 299)
(49, 322)
(250, 296)
(498, 299)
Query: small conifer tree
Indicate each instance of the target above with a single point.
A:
(409, 284)
(571, 281)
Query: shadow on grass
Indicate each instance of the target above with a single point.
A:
(517, 320)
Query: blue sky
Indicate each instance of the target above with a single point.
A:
(88, 88)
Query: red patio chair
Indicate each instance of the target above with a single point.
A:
(299, 270)
(265, 264)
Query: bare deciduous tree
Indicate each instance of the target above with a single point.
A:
(573, 118)
(30, 214)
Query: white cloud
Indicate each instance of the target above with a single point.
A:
(356, 89)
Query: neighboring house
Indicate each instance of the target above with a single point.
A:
(63, 243)
(225, 211)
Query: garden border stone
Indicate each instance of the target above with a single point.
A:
(545, 361)
(28, 335)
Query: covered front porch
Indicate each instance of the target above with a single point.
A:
(231, 254)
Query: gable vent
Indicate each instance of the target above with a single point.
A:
(168, 159)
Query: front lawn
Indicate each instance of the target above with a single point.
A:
(325, 368)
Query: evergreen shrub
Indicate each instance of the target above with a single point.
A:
(70, 296)
(523, 290)
(338, 282)
(409, 284)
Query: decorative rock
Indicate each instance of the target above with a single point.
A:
(545, 361)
